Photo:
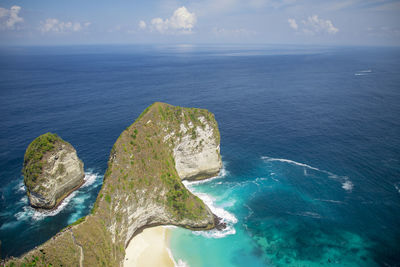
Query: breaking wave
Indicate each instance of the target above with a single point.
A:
(180, 262)
(20, 187)
(222, 174)
(226, 217)
(210, 201)
(90, 178)
(30, 213)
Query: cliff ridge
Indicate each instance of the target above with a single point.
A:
(143, 187)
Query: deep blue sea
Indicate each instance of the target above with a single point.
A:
(310, 140)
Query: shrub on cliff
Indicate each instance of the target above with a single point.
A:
(34, 154)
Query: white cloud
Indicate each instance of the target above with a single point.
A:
(183, 19)
(54, 25)
(160, 25)
(142, 25)
(181, 22)
(9, 18)
(293, 24)
(314, 25)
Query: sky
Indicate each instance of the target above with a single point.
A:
(316, 22)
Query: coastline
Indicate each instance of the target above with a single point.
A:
(149, 248)
(60, 200)
(67, 194)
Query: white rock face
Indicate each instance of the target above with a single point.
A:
(197, 154)
(62, 172)
(148, 213)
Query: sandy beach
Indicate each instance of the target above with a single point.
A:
(149, 248)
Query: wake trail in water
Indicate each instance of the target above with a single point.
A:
(363, 72)
(290, 162)
(347, 184)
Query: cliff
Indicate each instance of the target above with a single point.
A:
(142, 188)
(196, 150)
(51, 170)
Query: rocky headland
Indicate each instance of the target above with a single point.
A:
(52, 170)
(142, 187)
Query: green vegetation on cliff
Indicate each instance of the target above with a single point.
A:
(33, 163)
(141, 187)
(52, 170)
(144, 160)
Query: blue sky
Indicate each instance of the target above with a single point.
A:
(330, 22)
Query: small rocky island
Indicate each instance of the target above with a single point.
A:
(142, 187)
(52, 170)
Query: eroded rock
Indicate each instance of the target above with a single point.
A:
(52, 170)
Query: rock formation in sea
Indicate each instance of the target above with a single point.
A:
(142, 187)
(52, 170)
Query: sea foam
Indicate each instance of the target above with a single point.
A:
(210, 201)
(223, 173)
(30, 213)
(180, 262)
(21, 187)
(347, 185)
(90, 178)
(226, 217)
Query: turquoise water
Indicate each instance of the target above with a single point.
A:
(278, 217)
(310, 140)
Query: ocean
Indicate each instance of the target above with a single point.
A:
(310, 142)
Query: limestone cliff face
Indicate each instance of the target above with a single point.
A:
(51, 170)
(196, 152)
(143, 186)
(146, 157)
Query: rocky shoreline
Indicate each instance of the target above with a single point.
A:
(60, 201)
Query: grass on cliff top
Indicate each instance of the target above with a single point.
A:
(145, 160)
(33, 164)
